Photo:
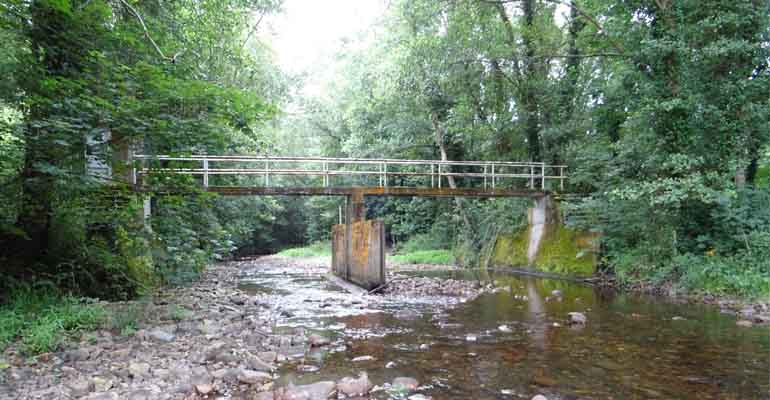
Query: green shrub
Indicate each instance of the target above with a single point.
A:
(423, 241)
(124, 318)
(438, 257)
(317, 249)
(43, 321)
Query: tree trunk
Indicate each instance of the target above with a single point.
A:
(440, 132)
(530, 81)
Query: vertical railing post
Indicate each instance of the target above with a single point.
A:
(325, 179)
(494, 180)
(485, 176)
(385, 174)
(432, 173)
(267, 173)
(542, 176)
(531, 177)
(561, 178)
(205, 173)
(439, 175)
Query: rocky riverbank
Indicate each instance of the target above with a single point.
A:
(206, 340)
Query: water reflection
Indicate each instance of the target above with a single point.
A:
(631, 348)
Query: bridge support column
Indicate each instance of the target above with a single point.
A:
(358, 246)
(544, 213)
(355, 207)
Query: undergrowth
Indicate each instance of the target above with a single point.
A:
(317, 249)
(42, 321)
(440, 257)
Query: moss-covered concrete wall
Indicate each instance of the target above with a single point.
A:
(562, 251)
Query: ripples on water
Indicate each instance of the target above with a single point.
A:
(631, 348)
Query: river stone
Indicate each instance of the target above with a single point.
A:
(142, 394)
(317, 340)
(539, 397)
(138, 370)
(419, 396)
(577, 318)
(744, 323)
(265, 396)
(200, 376)
(405, 383)
(256, 363)
(268, 356)
(315, 391)
(161, 335)
(101, 384)
(160, 373)
(355, 386)
(80, 388)
(103, 396)
(76, 355)
(204, 389)
(226, 374)
(363, 358)
(253, 377)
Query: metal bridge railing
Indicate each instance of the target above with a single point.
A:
(486, 174)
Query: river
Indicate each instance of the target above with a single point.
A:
(516, 342)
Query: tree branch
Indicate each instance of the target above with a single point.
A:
(147, 34)
(251, 31)
(588, 17)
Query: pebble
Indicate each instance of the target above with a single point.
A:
(161, 335)
(355, 386)
(405, 383)
(253, 377)
(80, 388)
(576, 318)
(204, 389)
(363, 358)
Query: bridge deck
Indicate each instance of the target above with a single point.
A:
(319, 176)
(373, 191)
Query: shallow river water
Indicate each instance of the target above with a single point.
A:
(517, 343)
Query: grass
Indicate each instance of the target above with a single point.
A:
(441, 257)
(124, 319)
(317, 249)
(42, 321)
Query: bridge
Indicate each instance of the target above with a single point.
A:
(324, 176)
(358, 245)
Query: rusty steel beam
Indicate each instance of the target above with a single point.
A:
(374, 191)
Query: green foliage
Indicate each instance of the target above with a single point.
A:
(42, 320)
(438, 257)
(566, 251)
(125, 317)
(317, 249)
(87, 79)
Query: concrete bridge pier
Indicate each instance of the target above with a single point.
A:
(358, 245)
(544, 213)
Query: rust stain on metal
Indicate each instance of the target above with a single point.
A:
(358, 253)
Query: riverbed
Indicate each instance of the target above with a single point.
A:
(517, 340)
(278, 328)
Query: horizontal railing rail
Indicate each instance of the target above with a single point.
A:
(486, 174)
